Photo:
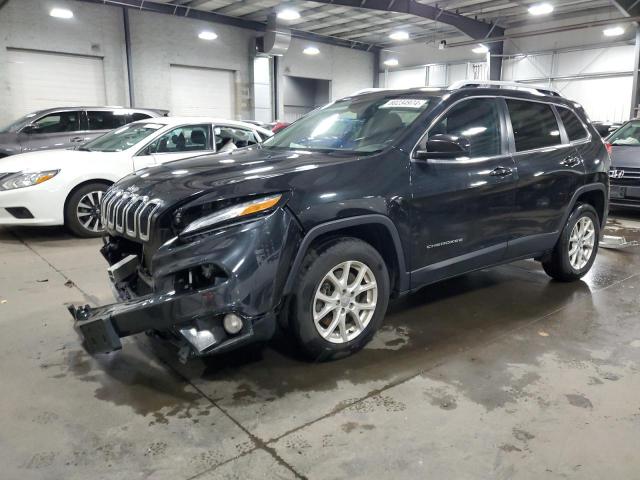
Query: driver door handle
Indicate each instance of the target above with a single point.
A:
(77, 139)
(500, 172)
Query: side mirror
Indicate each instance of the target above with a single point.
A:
(30, 129)
(443, 146)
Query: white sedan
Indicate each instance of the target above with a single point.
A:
(64, 187)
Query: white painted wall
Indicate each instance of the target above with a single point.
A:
(349, 70)
(577, 75)
(159, 41)
(94, 31)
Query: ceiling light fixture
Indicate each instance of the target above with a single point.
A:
(399, 35)
(540, 9)
(480, 49)
(311, 51)
(288, 14)
(61, 13)
(613, 31)
(207, 35)
(391, 62)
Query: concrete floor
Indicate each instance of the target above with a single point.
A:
(497, 374)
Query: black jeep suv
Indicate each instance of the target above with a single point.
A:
(372, 196)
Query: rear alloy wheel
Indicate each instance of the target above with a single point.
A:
(577, 246)
(340, 298)
(82, 214)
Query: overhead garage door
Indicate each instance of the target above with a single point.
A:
(40, 80)
(202, 91)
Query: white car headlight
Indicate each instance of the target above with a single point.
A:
(26, 179)
(233, 212)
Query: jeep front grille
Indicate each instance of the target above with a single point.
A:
(128, 213)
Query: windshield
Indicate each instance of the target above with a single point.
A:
(628, 134)
(359, 124)
(121, 138)
(18, 124)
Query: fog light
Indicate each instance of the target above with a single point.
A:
(232, 323)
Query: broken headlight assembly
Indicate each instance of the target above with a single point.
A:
(26, 179)
(194, 220)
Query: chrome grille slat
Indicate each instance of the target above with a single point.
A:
(128, 213)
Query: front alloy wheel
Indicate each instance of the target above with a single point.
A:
(82, 210)
(339, 299)
(88, 211)
(345, 301)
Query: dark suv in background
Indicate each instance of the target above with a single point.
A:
(66, 127)
(372, 196)
(624, 146)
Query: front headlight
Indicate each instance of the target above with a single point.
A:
(233, 212)
(26, 179)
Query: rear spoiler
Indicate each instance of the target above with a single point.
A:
(159, 111)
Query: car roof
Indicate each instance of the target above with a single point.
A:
(157, 111)
(183, 120)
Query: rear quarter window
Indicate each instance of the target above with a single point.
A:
(572, 125)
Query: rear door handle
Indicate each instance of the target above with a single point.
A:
(500, 172)
(571, 162)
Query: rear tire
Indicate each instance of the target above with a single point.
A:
(576, 250)
(82, 211)
(332, 313)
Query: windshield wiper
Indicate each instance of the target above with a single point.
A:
(84, 149)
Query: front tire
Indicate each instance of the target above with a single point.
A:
(340, 299)
(577, 246)
(82, 211)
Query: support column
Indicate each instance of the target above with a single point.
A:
(376, 68)
(635, 92)
(495, 60)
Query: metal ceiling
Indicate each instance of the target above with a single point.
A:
(367, 26)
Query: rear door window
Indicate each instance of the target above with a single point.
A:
(230, 138)
(478, 120)
(572, 125)
(188, 138)
(534, 125)
(107, 119)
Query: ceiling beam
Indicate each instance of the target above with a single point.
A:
(475, 29)
(186, 12)
(629, 8)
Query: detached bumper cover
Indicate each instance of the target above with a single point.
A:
(255, 258)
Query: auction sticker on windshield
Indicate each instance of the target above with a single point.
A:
(404, 103)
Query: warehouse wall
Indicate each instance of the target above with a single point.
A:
(94, 31)
(349, 70)
(159, 41)
(582, 64)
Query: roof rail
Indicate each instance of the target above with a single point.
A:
(507, 85)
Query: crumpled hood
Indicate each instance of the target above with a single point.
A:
(241, 172)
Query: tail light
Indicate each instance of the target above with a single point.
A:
(279, 126)
(608, 147)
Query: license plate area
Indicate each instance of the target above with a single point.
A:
(616, 191)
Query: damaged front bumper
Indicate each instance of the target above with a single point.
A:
(212, 294)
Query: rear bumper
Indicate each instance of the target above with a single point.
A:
(251, 260)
